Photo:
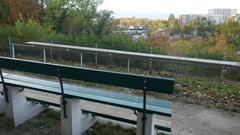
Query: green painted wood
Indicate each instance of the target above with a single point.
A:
(156, 84)
(102, 92)
(86, 111)
(162, 128)
(83, 93)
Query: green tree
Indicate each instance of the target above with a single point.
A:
(72, 16)
(173, 25)
(104, 22)
(56, 13)
(231, 30)
(4, 11)
(186, 29)
(202, 26)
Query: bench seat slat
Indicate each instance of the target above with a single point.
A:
(115, 101)
(105, 93)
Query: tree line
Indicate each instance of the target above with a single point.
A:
(79, 22)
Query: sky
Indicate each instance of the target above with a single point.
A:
(162, 8)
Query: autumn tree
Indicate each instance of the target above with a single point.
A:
(157, 24)
(31, 9)
(231, 30)
(11, 10)
(133, 21)
(173, 25)
(3, 11)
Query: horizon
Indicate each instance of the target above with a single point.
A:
(155, 9)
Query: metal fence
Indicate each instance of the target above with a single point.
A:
(223, 65)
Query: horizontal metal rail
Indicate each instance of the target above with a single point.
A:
(21, 45)
(142, 55)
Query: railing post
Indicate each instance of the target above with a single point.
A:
(81, 60)
(111, 58)
(223, 71)
(150, 60)
(51, 51)
(150, 64)
(44, 56)
(13, 51)
(128, 66)
(96, 55)
(10, 46)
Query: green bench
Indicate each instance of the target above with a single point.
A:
(144, 107)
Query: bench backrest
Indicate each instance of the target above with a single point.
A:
(155, 84)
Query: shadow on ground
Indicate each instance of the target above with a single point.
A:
(48, 123)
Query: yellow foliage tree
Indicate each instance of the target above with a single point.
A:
(223, 48)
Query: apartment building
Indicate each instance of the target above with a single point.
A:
(214, 16)
(224, 13)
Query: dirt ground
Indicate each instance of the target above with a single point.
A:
(198, 120)
(188, 119)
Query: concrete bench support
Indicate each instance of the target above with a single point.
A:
(18, 109)
(1, 104)
(149, 125)
(1, 100)
(76, 122)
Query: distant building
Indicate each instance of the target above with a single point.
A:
(214, 16)
(136, 32)
(188, 18)
(224, 13)
(237, 17)
(216, 19)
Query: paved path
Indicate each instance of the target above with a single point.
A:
(198, 120)
(187, 119)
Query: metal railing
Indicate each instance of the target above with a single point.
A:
(190, 61)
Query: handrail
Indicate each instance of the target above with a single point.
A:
(144, 55)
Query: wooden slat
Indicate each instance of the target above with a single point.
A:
(93, 91)
(156, 84)
(157, 107)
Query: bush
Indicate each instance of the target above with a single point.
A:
(31, 30)
(5, 32)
